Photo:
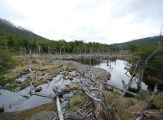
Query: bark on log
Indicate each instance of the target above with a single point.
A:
(59, 110)
(128, 92)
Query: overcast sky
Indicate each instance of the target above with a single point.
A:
(104, 21)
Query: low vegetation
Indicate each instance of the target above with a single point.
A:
(15, 41)
(6, 63)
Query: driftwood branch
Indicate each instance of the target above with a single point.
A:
(147, 105)
(56, 90)
(88, 93)
(103, 112)
(128, 92)
(130, 81)
(84, 76)
(59, 110)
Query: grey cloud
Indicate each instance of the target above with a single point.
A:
(141, 9)
(88, 33)
(89, 4)
(8, 12)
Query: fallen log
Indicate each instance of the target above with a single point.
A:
(59, 110)
(128, 92)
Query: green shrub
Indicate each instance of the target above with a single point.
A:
(143, 95)
(6, 63)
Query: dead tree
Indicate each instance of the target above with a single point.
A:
(130, 81)
(142, 113)
(102, 108)
(108, 86)
(59, 110)
(141, 71)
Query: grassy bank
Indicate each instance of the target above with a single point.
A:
(7, 62)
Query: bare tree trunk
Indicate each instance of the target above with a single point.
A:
(130, 81)
(147, 105)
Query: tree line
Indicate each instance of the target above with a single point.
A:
(49, 46)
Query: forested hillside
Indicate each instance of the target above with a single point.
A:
(16, 40)
(20, 39)
(148, 41)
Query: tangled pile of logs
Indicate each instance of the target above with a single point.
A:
(94, 84)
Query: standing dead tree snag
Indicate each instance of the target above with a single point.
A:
(141, 70)
(143, 113)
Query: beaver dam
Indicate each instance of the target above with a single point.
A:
(46, 89)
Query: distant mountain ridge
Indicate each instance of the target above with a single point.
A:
(153, 40)
(7, 28)
(18, 36)
(20, 39)
(147, 40)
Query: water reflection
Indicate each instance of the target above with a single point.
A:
(117, 69)
(88, 61)
(14, 101)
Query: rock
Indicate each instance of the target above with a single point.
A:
(1, 108)
(38, 89)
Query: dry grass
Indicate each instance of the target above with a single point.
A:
(76, 102)
(27, 113)
(125, 107)
(44, 70)
(158, 102)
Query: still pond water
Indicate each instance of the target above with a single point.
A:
(117, 70)
(13, 101)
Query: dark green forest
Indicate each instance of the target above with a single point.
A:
(16, 40)
(20, 39)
